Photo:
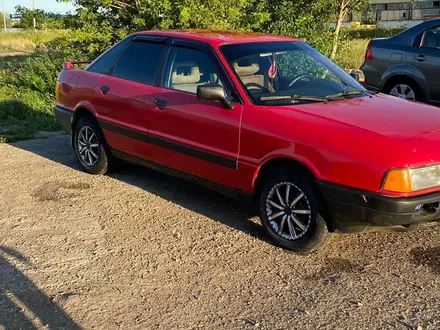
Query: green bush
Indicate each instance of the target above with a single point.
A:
(24, 112)
(363, 33)
(37, 72)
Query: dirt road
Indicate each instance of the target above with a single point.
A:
(139, 250)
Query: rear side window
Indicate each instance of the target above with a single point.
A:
(431, 38)
(105, 62)
(139, 62)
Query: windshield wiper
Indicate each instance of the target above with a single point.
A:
(347, 93)
(294, 98)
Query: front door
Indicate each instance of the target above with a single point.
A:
(195, 136)
(426, 58)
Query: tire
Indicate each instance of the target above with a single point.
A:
(310, 229)
(405, 89)
(90, 146)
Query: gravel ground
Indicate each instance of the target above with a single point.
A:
(140, 250)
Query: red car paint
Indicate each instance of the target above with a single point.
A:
(351, 142)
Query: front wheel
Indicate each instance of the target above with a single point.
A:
(290, 212)
(89, 145)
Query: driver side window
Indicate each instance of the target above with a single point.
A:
(190, 68)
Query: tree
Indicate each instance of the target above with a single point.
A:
(343, 7)
(102, 22)
(223, 14)
(8, 23)
(27, 19)
(306, 19)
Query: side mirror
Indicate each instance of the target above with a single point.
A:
(214, 92)
(355, 75)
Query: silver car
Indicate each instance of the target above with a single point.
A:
(406, 65)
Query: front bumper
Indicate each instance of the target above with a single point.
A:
(356, 210)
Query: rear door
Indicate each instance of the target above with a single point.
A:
(425, 55)
(123, 96)
(195, 136)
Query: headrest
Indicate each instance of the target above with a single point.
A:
(185, 73)
(247, 70)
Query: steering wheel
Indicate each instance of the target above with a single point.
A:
(259, 87)
(299, 77)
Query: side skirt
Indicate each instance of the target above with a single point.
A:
(236, 194)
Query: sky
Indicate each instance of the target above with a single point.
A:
(47, 5)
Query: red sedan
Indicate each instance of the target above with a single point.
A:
(261, 117)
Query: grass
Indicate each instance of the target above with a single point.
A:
(23, 111)
(12, 43)
(352, 56)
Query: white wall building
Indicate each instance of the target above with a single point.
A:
(404, 12)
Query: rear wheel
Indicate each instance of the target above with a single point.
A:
(405, 89)
(89, 145)
(290, 212)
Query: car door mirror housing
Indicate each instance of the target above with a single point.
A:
(214, 92)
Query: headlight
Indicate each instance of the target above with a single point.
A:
(409, 180)
(425, 177)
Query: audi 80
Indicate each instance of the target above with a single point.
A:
(263, 117)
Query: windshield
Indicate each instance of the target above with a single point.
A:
(289, 72)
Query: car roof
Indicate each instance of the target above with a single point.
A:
(219, 37)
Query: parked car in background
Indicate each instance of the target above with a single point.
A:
(263, 117)
(406, 65)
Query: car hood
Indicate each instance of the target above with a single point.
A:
(381, 114)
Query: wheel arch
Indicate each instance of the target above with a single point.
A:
(81, 110)
(405, 73)
(297, 165)
(281, 161)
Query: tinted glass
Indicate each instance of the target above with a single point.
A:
(189, 68)
(431, 38)
(280, 70)
(139, 62)
(105, 62)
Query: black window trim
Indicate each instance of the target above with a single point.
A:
(422, 40)
(205, 48)
(144, 39)
(128, 40)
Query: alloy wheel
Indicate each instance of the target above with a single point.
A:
(288, 210)
(88, 146)
(403, 91)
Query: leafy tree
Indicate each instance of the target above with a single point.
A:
(28, 15)
(306, 19)
(223, 14)
(342, 8)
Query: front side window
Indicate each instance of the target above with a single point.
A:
(189, 68)
(289, 72)
(139, 62)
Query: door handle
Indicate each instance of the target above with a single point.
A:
(105, 90)
(420, 58)
(160, 103)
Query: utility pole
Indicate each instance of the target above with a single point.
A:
(4, 16)
(35, 21)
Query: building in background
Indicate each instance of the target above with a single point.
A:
(402, 12)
